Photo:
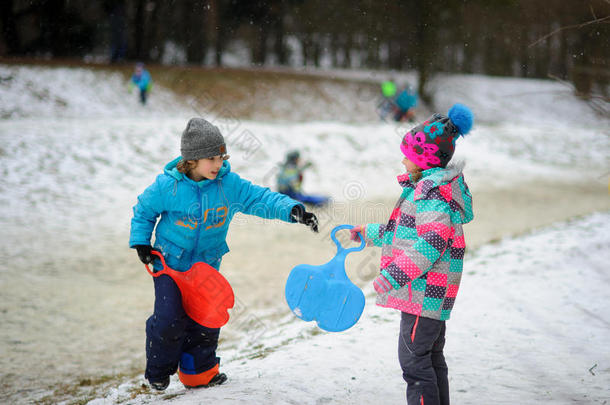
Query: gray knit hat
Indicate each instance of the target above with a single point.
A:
(201, 140)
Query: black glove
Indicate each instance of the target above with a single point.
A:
(144, 253)
(301, 216)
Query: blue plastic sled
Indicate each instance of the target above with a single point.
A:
(324, 293)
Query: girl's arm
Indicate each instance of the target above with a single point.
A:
(145, 214)
(433, 225)
(373, 234)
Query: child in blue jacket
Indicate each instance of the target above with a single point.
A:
(196, 197)
(141, 79)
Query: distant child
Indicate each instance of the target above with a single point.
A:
(400, 104)
(141, 79)
(290, 180)
(196, 197)
(422, 251)
(290, 177)
(405, 103)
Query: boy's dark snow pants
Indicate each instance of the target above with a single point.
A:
(172, 337)
(420, 352)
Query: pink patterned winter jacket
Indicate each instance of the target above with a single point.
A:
(423, 243)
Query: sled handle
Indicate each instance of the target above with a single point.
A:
(157, 273)
(341, 248)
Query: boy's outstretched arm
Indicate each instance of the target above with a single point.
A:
(264, 203)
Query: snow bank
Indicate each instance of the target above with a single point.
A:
(530, 326)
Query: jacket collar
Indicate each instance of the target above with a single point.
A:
(432, 177)
(450, 183)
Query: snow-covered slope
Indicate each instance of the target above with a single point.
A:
(43, 93)
(496, 99)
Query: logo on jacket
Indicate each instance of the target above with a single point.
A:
(214, 217)
(190, 224)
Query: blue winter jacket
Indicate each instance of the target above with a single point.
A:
(142, 81)
(195, 216)
(406, 100)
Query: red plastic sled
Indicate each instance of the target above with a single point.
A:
(206, 294)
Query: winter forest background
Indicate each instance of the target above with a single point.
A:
(500, 37)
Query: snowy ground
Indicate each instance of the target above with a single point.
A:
(530, 326)
(76, 149)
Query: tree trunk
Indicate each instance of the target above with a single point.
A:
(196, 40)
(9, 28)
(52, 28)
(154, 46)
(259, 46)
(218, 30)
(524, 55)
(117, 19)
(562, 58)
(334, 49)
(471, 40)
(139, 30)
(317, 50)
(426, 46)
(225, 24)
(212, 23)
(306, 48)
(279, 45)
(541, 62)
(219, 48)
(347, 51)
(372, 52)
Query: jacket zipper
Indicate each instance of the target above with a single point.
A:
(200, 221)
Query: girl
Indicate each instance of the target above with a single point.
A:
(422, 250)
(196, 197)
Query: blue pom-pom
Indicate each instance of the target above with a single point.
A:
(462, 118)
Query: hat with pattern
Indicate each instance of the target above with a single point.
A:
(432, 143)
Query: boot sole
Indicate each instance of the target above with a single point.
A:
(218, 379)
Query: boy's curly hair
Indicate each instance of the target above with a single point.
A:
(185, 166)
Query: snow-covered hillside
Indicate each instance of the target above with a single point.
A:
(98, 144)
(76, 149)
(62, 92)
